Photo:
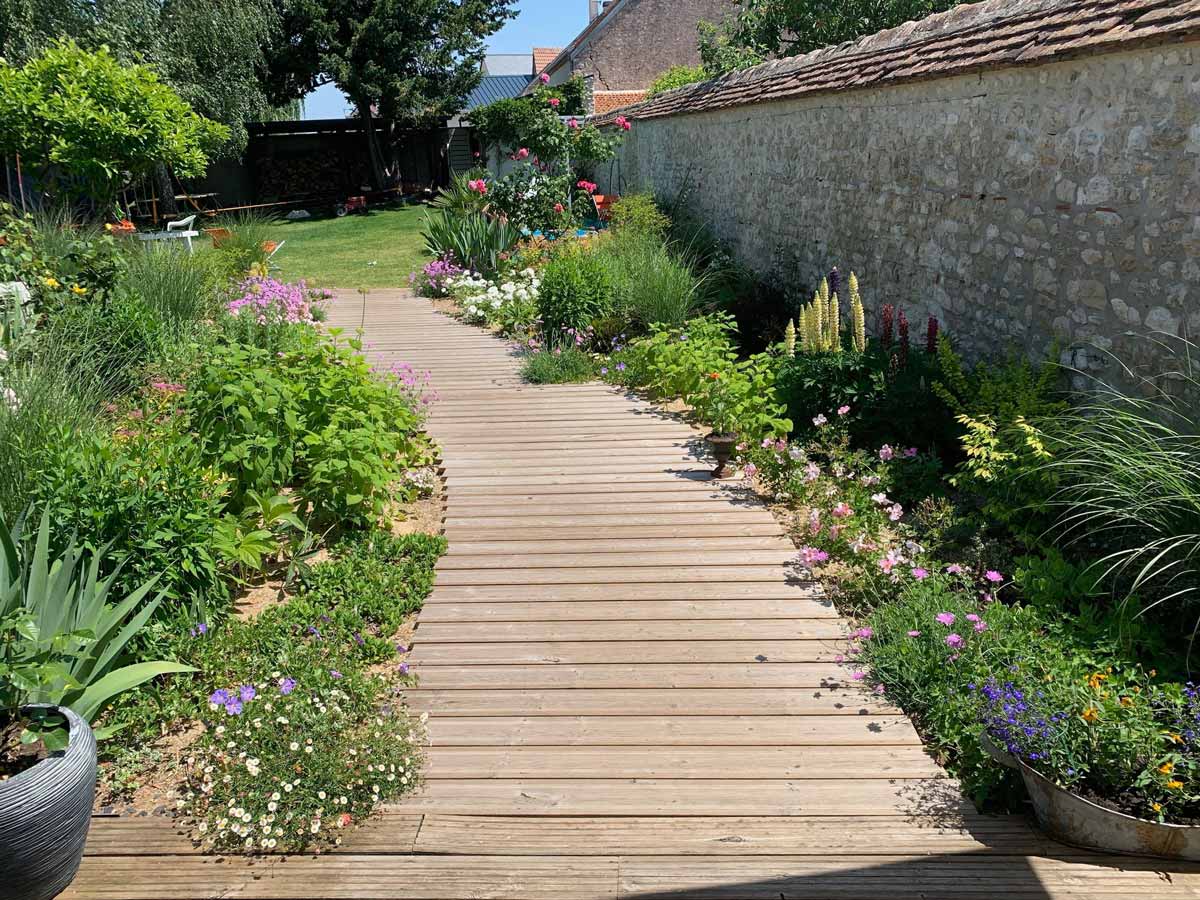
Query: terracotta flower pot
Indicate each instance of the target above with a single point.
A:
(721, 445)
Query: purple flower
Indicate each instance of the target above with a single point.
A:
(972, 617)
(993, 576)
(287, 685)
(865, 633)
(233, 706)
(820, 421)
(335, 673)
(247, 693)
(954, 640)
(886, 452)
(811, 556)
(620, 367)
(920, 574)
(945, 618)
(954, 569)
(981, 626)
(402, 668)
(858, 676)
(914, 634)
(400, 648)
(219, 697)
(358, 639)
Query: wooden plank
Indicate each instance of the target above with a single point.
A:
(692, 797)
(567, 483)
(732, 732)
(553, 653)
(601, 629)
(683, 519)
(664, 573)
(667, 490)
(709, 590)
(643, 675)
(586, 546)
(789, 763)
(461, 558)
(347, 876)
(745, 612)
(503, 701)
(616, 531)
(728, 836)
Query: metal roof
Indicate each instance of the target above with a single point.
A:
(508, 64)
(496, 87)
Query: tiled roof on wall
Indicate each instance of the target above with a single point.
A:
(968, 38)
(609, 101)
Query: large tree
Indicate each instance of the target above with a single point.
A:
(402, 63)
(766, 29)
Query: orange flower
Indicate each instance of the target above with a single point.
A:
(1091, 714)
(1126, 702)
(1167, 768)
(714, 375)
(1174, 785)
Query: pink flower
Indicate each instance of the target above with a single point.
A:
(981, 626)
(843, 410)
(623, 123)
(879, 689)
(523, 153)
(993, 576)
(573, 124)
(920, 574)
(811, 556)
(896, 513)
(554, 101)
(954, 569)
(839, 658)
(588, 186)
(886, 452)
(887, 564)
(910, 452)
(954, 640)
(914, 634)
(971, 617)
(545, 78)
(820, 420)
(857, 676)
(842, 511)
(865, 633)
(812, 472)
(945, 618)
(478, 185)
(835, 532)
(558, 207)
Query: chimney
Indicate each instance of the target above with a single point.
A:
(593, 10)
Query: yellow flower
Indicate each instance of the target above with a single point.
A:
(77, 290)
(1157, 807)
(1091, 714)
(1096, 680)
(1126, 702)
(1167, 768)
(1175, 738)
(50, 282)
(1174, 785)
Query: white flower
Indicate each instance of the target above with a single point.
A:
(320, 795)
(293, 746)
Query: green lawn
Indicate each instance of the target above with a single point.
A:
(376, 250)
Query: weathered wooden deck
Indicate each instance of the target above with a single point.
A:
(632, 690)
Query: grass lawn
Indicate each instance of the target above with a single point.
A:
(376, 250)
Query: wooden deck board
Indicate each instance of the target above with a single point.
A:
(633, 691)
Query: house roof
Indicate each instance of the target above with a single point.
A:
(495, 87)
(508, 64)
(610, 101)
(970, 38)
(561, 56)
(543, 56)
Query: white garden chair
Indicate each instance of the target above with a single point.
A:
(180, 229)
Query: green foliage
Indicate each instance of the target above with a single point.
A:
(112, 342)
(474, 241)
(676, 77)
(244, 249)
(766, 29)
(560, 365)
(84, 120)
(148, 497)
(533, 123)
(576, 290)
(307, 776)
(314, 417)
(652, 285)
(534, 200)
(460, 199)
(61, 639)
(640, 213)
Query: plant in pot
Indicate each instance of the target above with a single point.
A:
(62, 649)
(719, 409)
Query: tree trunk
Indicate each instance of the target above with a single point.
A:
(164, 187)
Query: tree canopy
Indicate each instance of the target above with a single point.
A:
(766, 29)
(87, 122)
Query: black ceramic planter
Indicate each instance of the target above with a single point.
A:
(44, 817)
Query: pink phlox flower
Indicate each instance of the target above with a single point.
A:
(812, 556)
(842, 511)
(896, 513)
(843, 410)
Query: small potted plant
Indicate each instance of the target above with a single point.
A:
(719, 410)
(60, 641)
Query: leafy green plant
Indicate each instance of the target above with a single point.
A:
(476, 242)
(61, 641)
(86, 121)
(639, 212)
(461, 197)
(652, 285)
(576, 289)
(244, 248)
(558, 365)
(676, 77)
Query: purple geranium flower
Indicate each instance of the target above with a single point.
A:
(233, 706)
(287, 685)
(219, 697)
(247, 693)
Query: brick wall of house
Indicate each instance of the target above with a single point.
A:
(644, 39)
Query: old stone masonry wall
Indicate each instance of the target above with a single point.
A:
(1021, 206)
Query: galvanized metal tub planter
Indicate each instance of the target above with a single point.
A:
(44, 816)
(1074, 820)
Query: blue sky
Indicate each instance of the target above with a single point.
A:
(539, 23)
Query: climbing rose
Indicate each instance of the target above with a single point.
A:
(554, 101)
(545, 78)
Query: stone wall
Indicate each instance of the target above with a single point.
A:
(1021, 205)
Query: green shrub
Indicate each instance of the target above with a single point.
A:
(474, 241)
(562, 365)
(180, 289)
(315, 417)
(150, 499)
(674, 362)
(676, 77)
(243, 250)
(639, 212)
(651, 285)
(576, 290)
(111, 342)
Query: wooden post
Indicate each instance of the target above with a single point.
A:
(21, 184)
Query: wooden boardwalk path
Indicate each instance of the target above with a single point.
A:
(633, 692)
